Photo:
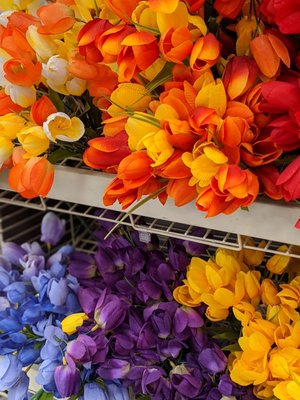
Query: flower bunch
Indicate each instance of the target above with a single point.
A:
(181, 99)
(36, 294)
(133, 330)
(235, 286)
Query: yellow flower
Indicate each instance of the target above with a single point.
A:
(288, 390)
(278, 263)
(251, 366)
(179, 17)
(44, 45)
(254, 257)
(6, 148)
(244, 312)
(59, 126)
(137, 127)
(213, 96)
(278, 314)
(290, 293)
(186, 296)
(143, 16)
(33, 140)
(22, 95)
(258, 324)
(128, 97)
(157, 146)
(269, 292)
(284, 363)
(70, 324)
(206, 165)
(11, 124)
(288, 335)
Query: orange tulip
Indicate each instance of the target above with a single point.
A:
(239, 76)
(181, 192)
(126, 196)
(14, 42)
(109, 42)
(261, 152)
(181, 100)
(268, 51)
(233, 131)
(105, 82)
(106, 152)
(173, 168)
(7, 105)
(87, 37)
(176, 44)
(204, 122)
(22, 72)
(140, 50)
(135, 169)
(229, 189)
(205, 53)
(238, 109)
(55, 18)
(32, 178)
(41, 109)
(22, 21)
(122, 9)
(163, 6)
(228, 8)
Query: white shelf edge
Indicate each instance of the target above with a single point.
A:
(265, 219)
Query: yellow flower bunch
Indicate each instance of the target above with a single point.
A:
(269, 346)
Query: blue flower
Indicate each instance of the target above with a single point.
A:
(10, 372)
(93, 391)
(16, 292)
(20, 390)
(13, 252)
(116, 392)
(5, 278)
(45, 376)
(28, 354)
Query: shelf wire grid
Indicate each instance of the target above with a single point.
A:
(144, 225)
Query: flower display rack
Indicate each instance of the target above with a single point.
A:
(272, 222)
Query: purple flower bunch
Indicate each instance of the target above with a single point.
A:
(135, 332)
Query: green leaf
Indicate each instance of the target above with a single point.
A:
(163, 76)
(61, 154)
(227, 335)
(41, 395)
(232, 347)
(56, 100)
(245, 208)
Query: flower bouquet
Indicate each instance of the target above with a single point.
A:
(193, 100)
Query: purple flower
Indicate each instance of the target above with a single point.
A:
(102, 346)
(20, 389)
(92, 391)
(147, 290)
(113, 368)
(88, 299)
(147, 338)
(213, 359)
(116, 392)
(82, 266)
(186, 317)
(81, 350)
(185, 381)
(4, 263)
(110, 311)
(152, 381)
(67, 380)
(52, 228)
(123, 342)
(10, 372)
(13, 252)
(161, 316)
(169, 348)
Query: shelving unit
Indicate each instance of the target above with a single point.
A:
(272, 222)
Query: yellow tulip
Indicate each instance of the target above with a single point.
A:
(290, 293)
(254, 257)
(278, 263)
(59, 126)
(179, 17)
(244, 312)
(6, 148)
(186, 296)
(70, 324)
(213, 95)
(137, 127)
(11, 124)
(288, 390)
(144, 17)
(269, 292)
(258, 324)
(284, 363)
(288, 335)
(33, 140)
(157, 146)
(22, 95)
(44, 45)
(127, 98)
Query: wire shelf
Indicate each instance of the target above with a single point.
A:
(145, 225)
